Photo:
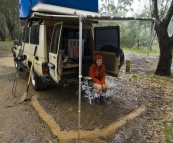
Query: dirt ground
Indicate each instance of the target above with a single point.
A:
(21, 123)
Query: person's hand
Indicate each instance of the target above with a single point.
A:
(103, 86)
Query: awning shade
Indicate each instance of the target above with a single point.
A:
(93, 17)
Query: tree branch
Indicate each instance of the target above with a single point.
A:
(155, 10)
(168, 16)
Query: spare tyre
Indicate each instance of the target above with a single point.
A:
(121, 58)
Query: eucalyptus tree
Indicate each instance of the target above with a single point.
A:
(144, 27)
(2, 28)
(165, 40)
(120, 8)
(9, 12)
(135, 34)
(113, 7)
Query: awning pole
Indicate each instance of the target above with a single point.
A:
(80, 71)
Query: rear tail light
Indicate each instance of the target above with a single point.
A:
(45, 69)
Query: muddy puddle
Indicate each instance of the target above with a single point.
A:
(96, 132)
(63, 107)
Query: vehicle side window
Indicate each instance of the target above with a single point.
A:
(34, 36)
(49, 37)
(26, 35)
(55, 39)
(20, 39)
(107, 40)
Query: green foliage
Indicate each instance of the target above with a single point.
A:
(133, 34)
(120, 7)
(9, 18)
(143, 50)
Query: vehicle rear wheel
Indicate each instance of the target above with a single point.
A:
(36, 81)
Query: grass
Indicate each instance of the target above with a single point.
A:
(6, 45)
(168, 132)
(143, 50)
(134, 76)
(155, 76)
(6, 42)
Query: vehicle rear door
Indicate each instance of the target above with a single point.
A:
(54, 58)
(107, 43)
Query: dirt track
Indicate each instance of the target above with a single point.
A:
(19, 122)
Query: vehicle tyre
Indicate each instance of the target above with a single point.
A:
(36, 81)
(121, 58)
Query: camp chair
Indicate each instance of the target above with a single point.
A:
(88, 89)
(86, 62)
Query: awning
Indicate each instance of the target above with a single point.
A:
(96, 18)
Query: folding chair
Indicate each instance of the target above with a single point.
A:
(86, 62)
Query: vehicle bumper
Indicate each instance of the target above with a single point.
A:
(48, 81)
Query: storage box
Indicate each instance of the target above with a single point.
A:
(73, 48)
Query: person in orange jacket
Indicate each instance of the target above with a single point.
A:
(97, 73)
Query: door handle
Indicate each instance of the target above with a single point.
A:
(51, 65)
(37, 58)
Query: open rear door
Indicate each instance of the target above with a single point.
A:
(54, 58)
(107, 43)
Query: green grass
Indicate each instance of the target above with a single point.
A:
(134, 76)
(6, 45)
(143, 50)
(154, 78)
(6, 42)
(168, 133)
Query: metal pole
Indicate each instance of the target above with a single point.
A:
(15, 80)
(80, 71)
(151, 38)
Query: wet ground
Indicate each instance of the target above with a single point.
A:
(20, 122)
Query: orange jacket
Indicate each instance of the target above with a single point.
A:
(93, 71)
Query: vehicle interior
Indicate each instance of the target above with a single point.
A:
(68, 50)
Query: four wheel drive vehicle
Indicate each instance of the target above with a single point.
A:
(58, 39)
(56, 58)
(60, 33)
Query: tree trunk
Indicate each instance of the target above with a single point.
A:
(2, 37)
(11, 32)
(165, 42)
(165, 45)
(10, 26)
(2, 32)
(138, 43)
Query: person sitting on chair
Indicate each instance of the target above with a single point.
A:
(97, 73)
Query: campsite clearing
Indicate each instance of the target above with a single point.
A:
(20, 122)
